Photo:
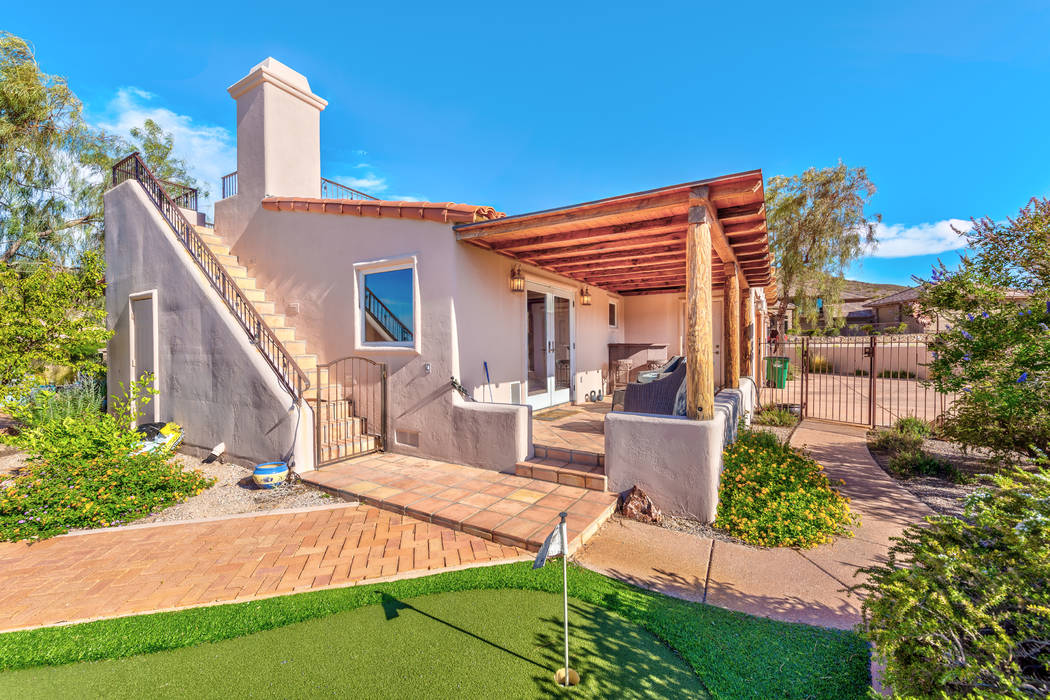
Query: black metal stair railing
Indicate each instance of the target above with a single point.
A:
(386, 318)
(273, 350)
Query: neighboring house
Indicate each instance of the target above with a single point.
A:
(901, 307)
(316, 323)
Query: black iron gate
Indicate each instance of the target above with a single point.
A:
(349, 409)
(862, 380)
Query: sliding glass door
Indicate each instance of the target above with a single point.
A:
(549, 345)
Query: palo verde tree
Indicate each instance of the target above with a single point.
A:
(817, 227)
(995, 357)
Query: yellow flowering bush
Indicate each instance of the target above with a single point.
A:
(772, 495)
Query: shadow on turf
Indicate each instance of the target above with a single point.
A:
(392, 606)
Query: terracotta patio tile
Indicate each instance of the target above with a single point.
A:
(526, 495)
(481, 500)
(508, 506)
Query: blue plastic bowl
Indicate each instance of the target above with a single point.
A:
(269, 474)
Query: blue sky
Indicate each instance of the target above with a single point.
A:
(526, 106)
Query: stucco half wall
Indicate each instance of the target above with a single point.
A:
(212, 380)
(676, 461)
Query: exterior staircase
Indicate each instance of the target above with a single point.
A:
(567, 467)
(340, 433)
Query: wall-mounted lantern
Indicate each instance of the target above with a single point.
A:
(517, 279)
(585, 297)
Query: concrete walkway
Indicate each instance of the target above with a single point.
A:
(785, 584)
(166, 566)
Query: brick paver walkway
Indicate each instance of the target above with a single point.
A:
(505, 508)
(160, 567)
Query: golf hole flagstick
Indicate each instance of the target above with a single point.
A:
(557, 543)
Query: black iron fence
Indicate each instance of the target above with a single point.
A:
(276, 355)
(862, 380)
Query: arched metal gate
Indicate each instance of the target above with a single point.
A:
(349, 409)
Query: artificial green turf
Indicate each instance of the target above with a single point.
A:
(733, 654)
(470, 644)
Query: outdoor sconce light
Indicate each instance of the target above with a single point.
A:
(517, 279)
(585, 297)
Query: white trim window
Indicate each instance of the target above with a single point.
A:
(387, 301)
(614, 314)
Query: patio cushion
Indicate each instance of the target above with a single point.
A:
(658, 397)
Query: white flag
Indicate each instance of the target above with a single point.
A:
(552, 547)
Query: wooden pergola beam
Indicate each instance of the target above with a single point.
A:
(601, 263)
(731, 314)
(620, 232)
(555, 255)
(748, 330)
(699, 348)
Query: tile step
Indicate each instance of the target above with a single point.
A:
(581, 476)
(582, 458)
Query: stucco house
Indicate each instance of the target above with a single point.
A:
(314, 323)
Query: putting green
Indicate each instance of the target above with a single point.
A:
(471, 644)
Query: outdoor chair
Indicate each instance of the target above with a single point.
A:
(661, 371)
(659, 396)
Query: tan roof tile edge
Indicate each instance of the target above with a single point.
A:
(444, 212)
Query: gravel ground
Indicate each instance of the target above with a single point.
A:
(943, 496)
(235, 492)
(695, 527)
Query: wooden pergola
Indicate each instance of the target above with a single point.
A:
(685, 238)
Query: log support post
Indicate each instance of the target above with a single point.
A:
(699, 348)
(747, 368)
(731, 314)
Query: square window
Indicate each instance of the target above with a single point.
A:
(388, 305)
(614, 314)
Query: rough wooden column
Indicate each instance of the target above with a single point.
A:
(699, 348)
(731, 314)
(748, 332)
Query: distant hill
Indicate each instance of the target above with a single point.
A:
(855, 289)
(858, 291)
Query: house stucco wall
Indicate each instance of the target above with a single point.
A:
(212, 379)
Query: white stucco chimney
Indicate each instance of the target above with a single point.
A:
(278, 133)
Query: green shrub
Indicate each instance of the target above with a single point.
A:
(83, 473)
(913, 425)
(83, 398)
(773, 496)
(775, 415)
(868, 329)
(892, 440)
(962, 606)
(818, 364)
(860, 372)
(832, 331)
(896, 374)
(918, 463)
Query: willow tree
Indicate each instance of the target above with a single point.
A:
(817, 227)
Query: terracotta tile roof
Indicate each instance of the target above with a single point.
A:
(444, 212)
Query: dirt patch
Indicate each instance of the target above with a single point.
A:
(782, 432)
(234, 492)
(695, 527)
(943, 496)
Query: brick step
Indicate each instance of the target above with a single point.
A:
(350, 447)
(504, 508)
(330, 410)
(336, 430)
(583, 458)
(582, 476)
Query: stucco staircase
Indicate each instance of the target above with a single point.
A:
(341, 433)
(579, 468)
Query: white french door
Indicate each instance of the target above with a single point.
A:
(550, 341)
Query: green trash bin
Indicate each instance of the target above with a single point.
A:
(777, 371)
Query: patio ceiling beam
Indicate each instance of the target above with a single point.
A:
(629, 210)
(738, 214)
(677, 257)
(699, 346)
(627, 278)
(633, 243)
(555, 263)
(731, 313)
(734, 193)
(661, 225)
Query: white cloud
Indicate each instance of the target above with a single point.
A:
(900, 241)
(369, 184)
(209, 151)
